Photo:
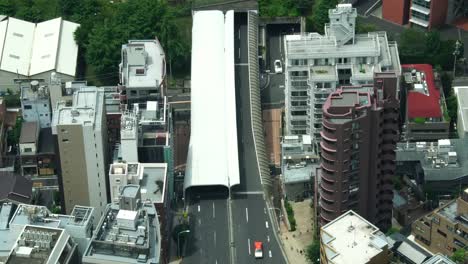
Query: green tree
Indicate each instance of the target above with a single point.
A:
(7, 7)
(143, 19)
(362, 27)
(412, 46)
(392, 230)
(452, 106)
(460, 256)
(319, 15)
(313, 252)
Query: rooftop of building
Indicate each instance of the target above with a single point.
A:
(28, 48)
(143, 64)
(462, 100)
(86, 109)
(340, 104)
(35, 245)
(340, 41)
(126, 236)
(437, 165)
(408, 248)
(13, 218)
(40, 215)
(151, 177)
(15, 188)
(298, 159)
(439, 259)
(29, 132)
(454, 211)
(34, 91)
(351, 239)
(423, 95)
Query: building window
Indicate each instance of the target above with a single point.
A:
(117, 181)
(419, 15)
(65, 140)
(45, 105)
(27, 106)
(27, 149)
(140, 71)
(422, 3)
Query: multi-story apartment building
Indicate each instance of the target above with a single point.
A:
(445, 229)
(360, 131)
(425, 14)
(142, 71)
(315, 65)
(35, 104)
(352, 239)
(423, 104)
(80, 131)
(462, 114)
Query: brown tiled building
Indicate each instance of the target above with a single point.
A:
(445, 229)
(359, 135)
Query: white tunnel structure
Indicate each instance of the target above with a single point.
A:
(213, 155)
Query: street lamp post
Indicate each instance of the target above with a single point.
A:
(178, 239)
(455, 54)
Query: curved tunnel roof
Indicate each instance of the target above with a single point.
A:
(213, 155)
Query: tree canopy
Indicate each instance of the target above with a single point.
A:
(426, 47)
(282, 8)
(319, 16)
(313, 251)
(106, 25)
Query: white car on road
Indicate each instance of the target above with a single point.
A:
(278, 66)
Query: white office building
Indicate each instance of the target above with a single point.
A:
(82, 141)
(316, 65)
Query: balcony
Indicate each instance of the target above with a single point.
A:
(327, 207)
(328, 154)
(325, 73)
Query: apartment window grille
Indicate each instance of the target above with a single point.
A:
(419, 15)
(422, 3)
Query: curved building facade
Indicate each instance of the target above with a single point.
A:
(358, 141)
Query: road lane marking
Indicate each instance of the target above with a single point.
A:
(269, 253)
(248, 245)
(266, 224)
(268, 238)
(264, 210)
(198, 208)
(247, 214)
(214, 236)
(239, 53)
(199, 221)
(239, 34)
(213, 211)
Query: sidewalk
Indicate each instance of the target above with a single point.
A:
(295, 243)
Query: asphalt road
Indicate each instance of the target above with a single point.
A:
(208, 240)
(250, 217)
(273, 95)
